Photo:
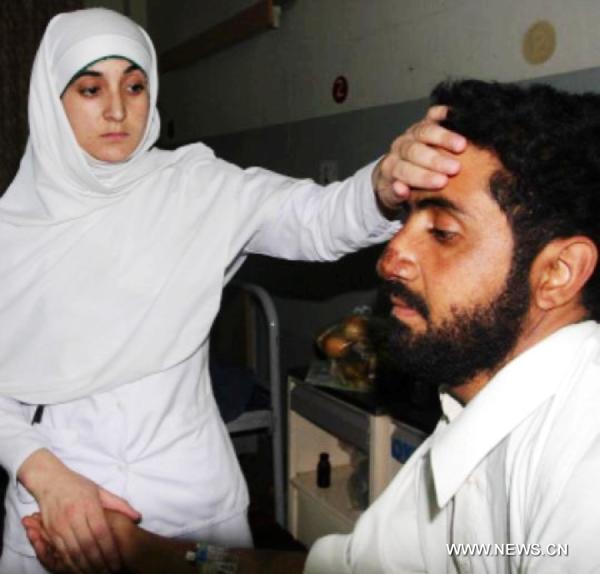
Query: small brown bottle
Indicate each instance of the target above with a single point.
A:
(324, 471)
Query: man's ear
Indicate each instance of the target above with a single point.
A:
(560, 271)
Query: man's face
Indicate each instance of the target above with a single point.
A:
(458, 301)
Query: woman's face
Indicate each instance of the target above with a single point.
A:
(107, 106)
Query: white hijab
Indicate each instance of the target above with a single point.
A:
(54, 182)
(97, 285)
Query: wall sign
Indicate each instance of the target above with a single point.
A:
(539, 42)
(339, 90)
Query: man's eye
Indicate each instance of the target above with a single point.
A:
(442, 235)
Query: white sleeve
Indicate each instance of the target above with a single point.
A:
(18, 437)
(315, 223)
(328, 556)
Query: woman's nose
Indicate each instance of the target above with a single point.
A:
(115, 108)
(397, 261)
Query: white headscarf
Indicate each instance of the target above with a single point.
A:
(54, 182)
(103, 275)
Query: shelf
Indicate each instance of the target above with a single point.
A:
(335, 499)
(349, 423)
(321, 422)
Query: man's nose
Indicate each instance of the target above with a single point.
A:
(398, 261)
(115, 108)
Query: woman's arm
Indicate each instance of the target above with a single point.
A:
(147, 553)
(308, 222)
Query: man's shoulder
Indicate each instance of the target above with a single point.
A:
(563, 433)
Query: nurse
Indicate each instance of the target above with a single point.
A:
(114, 256)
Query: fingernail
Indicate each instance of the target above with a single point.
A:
(438, 180)
(458, 143)
(451, 165)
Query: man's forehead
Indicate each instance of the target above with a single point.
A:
(477, 167)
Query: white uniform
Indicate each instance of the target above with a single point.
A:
(159, 442)
(514, 474)
(111, 278)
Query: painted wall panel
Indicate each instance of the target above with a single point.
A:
(390, 50)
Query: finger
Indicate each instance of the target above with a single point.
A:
(437, 113)
(393, 196)
(105, 541)
(63, 555)
(417, 177)
(46, 556)
(90, 557)
(45, 536)
(432, 133)
(401, 190)
(29, 522)
(111, 501)
(87, 554)
(33, 534)
(452, 141)
(428, 157)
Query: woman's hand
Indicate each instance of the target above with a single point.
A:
(147, 553)
(413, 161)
(72, 513)
(44, 549)
(142, 551)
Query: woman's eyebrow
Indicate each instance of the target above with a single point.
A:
(81, 73)
(96, 74)
(133, 68)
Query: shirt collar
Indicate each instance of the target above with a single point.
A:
(510, 396)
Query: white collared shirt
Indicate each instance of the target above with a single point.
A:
(520, 465)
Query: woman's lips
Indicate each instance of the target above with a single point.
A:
(115, 136)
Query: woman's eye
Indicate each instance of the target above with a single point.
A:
(442, 235)
(136, 88)
(89, 91)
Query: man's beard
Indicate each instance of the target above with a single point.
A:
(473, 341)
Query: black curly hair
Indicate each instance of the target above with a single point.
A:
(548, 142)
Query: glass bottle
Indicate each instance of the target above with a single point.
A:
(324, 471)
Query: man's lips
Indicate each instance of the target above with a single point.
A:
(400, 307)
(405, 303)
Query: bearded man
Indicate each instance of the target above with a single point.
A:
(495, 295)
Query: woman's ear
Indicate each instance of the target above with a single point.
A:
(561, 270)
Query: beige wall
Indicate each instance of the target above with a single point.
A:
(390, 50)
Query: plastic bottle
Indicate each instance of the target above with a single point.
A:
(324, 471)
